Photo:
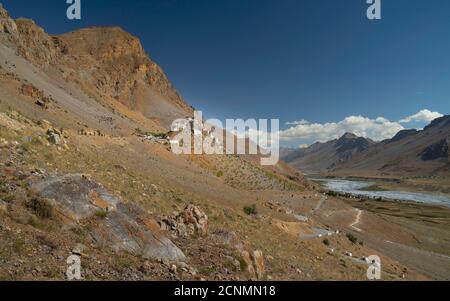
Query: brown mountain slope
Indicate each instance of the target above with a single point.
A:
(421, 153)
(321, 157)
(108, 64)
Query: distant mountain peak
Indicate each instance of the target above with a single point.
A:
(351, 143)
(328, 155)
(349, 135)
(439, 122)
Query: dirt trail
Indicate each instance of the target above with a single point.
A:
(357, 220)
(319, 204)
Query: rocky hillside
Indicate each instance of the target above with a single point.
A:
(321, 157)
(107, 63)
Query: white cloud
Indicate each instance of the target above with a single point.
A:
(422, 116)
(300, 122)
(376, 129)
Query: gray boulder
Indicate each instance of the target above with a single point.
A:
(121, 226)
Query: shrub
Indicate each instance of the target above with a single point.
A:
(40, 207)
(219, 174)
(101, 214)
(242, 263)
(19, 246)
(251, 210)
(332, 193)
(35, 223)
(326, 242)
(141, 132)
(352, 238)
(159, 135)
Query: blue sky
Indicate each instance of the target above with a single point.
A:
(315, 60)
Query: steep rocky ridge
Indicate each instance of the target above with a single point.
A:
(107, 63)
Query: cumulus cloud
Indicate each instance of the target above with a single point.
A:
(300, 122)
(422, 116)
(376, 129)
(303, 133)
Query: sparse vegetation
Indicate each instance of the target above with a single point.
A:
(373, 188)
(35, 223)
(207, 271)
(101, 214)
(242, 263)
(19, 246)
(352, 238)
(251, 210)
(332, 193)
(141, 132)
(41, 207)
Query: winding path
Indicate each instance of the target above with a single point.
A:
(357, 220)
(319, 204)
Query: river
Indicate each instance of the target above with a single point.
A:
(356, 188)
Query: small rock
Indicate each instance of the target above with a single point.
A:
(54, 137)
(248, 262)
(45, 124)
(258, 261)
(237, 264)
(173, 269)
(3, 206)
(3, 143)
(78, 249)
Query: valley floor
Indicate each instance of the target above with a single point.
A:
(288, 228)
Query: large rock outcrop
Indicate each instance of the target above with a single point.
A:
(121, 226)
(191, 222)
(8, 28)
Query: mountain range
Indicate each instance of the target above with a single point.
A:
(410, 152)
